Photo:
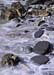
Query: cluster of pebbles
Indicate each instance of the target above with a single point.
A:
(27, 38)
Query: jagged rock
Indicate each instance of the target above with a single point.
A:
(38, 12)
(16, 10)
(19, 8)
(10, 59)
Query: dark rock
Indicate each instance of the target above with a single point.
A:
(38, 33)
(41, 59)
(49, 14)
(32, 2)
(26, 31)
(42, 47)
(18, 25)
(31, 20)
(41, 22)
(10, 59)
(50, 28)
(13, 14)
(44, 26)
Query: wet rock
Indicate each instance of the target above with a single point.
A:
(10, 60)
(30, 49)
(32, 2)
(4, 13)
(44, 26)
(42, 47)
(13, 14)
(26, 31)
(38, 33)
(19, 8)
(41, 22)
(18, 25)
(50, 28)
(40, 60)
(31, 20)
(16, 10)
(39, 12)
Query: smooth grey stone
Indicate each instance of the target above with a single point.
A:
(41, 59)
(42, 47)
(38, 33)
(41, 22)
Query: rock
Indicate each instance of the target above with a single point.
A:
(10, 60)
(26, 31)
(31, 20)
(19, 8)
(32, 2)
(30, 49)
(42, 47)
(41, 22)
(16, 10)
(40, 60)
(38, 33)
(50, 28)
(18, 25)
(13, 14)
(39, 12)
(44, 26)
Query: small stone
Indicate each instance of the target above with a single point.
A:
(18, 25)
(41, 22)
(30, 49)
(38, 33)
(31, 20)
